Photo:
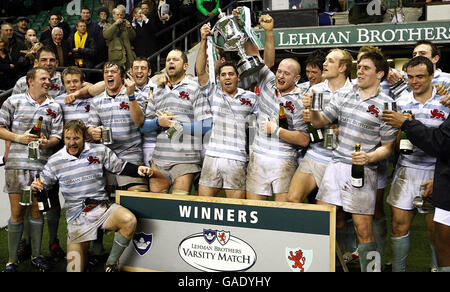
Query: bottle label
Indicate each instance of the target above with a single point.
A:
(41, 206)
(319, 133)
(357, 182)
(312, 138)
(405, 144)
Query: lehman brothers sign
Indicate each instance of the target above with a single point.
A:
(360, 35)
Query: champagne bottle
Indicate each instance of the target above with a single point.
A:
(282, 120)
(315, 135)
(42, 197)
(406, 147)
(36, 130)
(357, 171)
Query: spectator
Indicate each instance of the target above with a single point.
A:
(145, 42)
(118, 36)
(103, 15)
(15, 47)
(6, 65)
(60, 47)
(21, 27)
(55, 20)
(148, 7)
(94, 32)
(32, 44)
(83, 46)
(207, 8)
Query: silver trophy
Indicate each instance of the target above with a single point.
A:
(228, 36)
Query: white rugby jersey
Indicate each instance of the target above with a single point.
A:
(432, 114)
(359, 122)
(114, 113)
(184, 101)
(56, 89)
(230, 115)
(19, 113)
(317, 151)
(268, 108)
(149, 139)
(81, 177)
(78, 110)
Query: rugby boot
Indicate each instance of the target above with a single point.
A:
(41, 264)
(56, 252)
(11, 268)
(114, 268)
(23, 251)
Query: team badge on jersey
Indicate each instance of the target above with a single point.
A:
(373, 110)
(51, 113)
(184, 95)
(290, 106)
(142, 242)
(93, 159)
(245, 101)
(437, 114)
(87, 108)
(298, 259)
(124, 106)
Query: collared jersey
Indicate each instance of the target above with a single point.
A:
(185, 102)
(432, 114)
(56, 89)
(230, 115)
(114, 113)
(19, 113)
(81, 177)
(78, 110)
(359, 122)
(317, 151)
(269, 108)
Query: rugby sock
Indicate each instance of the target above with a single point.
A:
(36, 230)
(434, 263)
(15, 231)
(179, 192)
(341, 239)
(369, 258)
(97, 245)
(379, 232)
(350, 236)
(26, 226)
(119, 245)
(53, 223)
(444, 269)
(400, 249)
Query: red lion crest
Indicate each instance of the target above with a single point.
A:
(51, 113)
(437, 114)
(94, 160)
(87, 108)
(290, 106)
(184, 95)
(245, 101)
(298, 259)
(124, 106)
(373, 110)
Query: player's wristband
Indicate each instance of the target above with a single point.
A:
(277, 131)
(131, 98)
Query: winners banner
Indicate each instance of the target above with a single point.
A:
(192, 233)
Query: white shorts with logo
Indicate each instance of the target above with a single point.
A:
(313, 168)
(223, 173)
(406, 186)
(267, 176)
(442, 216)
(85, 227)
(336, 189)
(382, 174)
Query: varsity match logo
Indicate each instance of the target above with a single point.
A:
(298, 259)
(142, 242)
(209, 235)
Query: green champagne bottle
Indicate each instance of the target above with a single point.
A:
(406, 147)
(36, 130)
(42, 198)
(282, 120)
(357, 171)
(315, 135)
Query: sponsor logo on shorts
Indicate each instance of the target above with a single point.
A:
(217, 251)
